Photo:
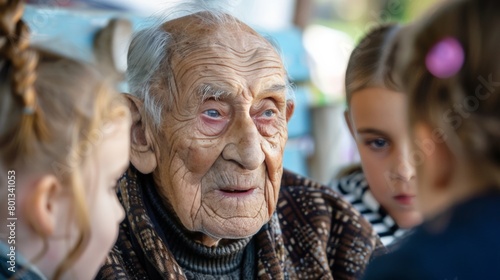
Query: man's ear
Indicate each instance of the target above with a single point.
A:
(347, 119)
(290, 107)
(142, 153)
(43, 203)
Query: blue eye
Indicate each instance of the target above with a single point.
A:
(212, 113)
(269, 113)
(378, 143)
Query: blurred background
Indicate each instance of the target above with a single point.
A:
(316, 38)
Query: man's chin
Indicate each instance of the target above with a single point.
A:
(235, 230)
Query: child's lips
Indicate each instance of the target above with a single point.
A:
(405, 199)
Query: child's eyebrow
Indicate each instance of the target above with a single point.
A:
(372, 131)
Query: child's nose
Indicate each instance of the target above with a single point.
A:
(405, 172)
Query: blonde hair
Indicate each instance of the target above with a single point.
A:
(463, 110)
(371, 65)
(52, 111)
(371, 61)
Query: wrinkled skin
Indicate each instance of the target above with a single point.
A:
(219, 152)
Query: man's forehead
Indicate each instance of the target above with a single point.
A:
(206, 49)
(203, 28)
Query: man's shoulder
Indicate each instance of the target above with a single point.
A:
(310, 193)
(315, 218)
(304, 200)
(291, 182)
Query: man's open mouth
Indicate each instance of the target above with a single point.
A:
(236, 192)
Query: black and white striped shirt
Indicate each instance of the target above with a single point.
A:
(355, 190)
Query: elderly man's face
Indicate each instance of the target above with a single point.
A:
(222, 143)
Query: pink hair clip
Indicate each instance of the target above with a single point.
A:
(445, 58)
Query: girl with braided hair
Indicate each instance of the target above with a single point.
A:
(64, 141)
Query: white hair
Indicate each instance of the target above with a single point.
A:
(146, 52)
(150, 46)
(290, 91)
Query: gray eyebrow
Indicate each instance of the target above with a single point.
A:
(207, 91)
(276, 88)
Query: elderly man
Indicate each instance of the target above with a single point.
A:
(206, 196)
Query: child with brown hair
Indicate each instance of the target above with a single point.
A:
(64, 141)
(451, 69)
(383, 187)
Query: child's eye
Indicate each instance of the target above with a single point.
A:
(212, 113)
(378, 143)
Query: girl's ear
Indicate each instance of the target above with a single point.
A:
(43, 203)
(142, 153)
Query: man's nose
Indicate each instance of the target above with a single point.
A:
(244, 145)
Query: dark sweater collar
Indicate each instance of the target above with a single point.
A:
(472, 212)
(192, 256)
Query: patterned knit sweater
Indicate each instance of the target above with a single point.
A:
(314, 234)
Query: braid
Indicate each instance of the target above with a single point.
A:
(22, 61)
